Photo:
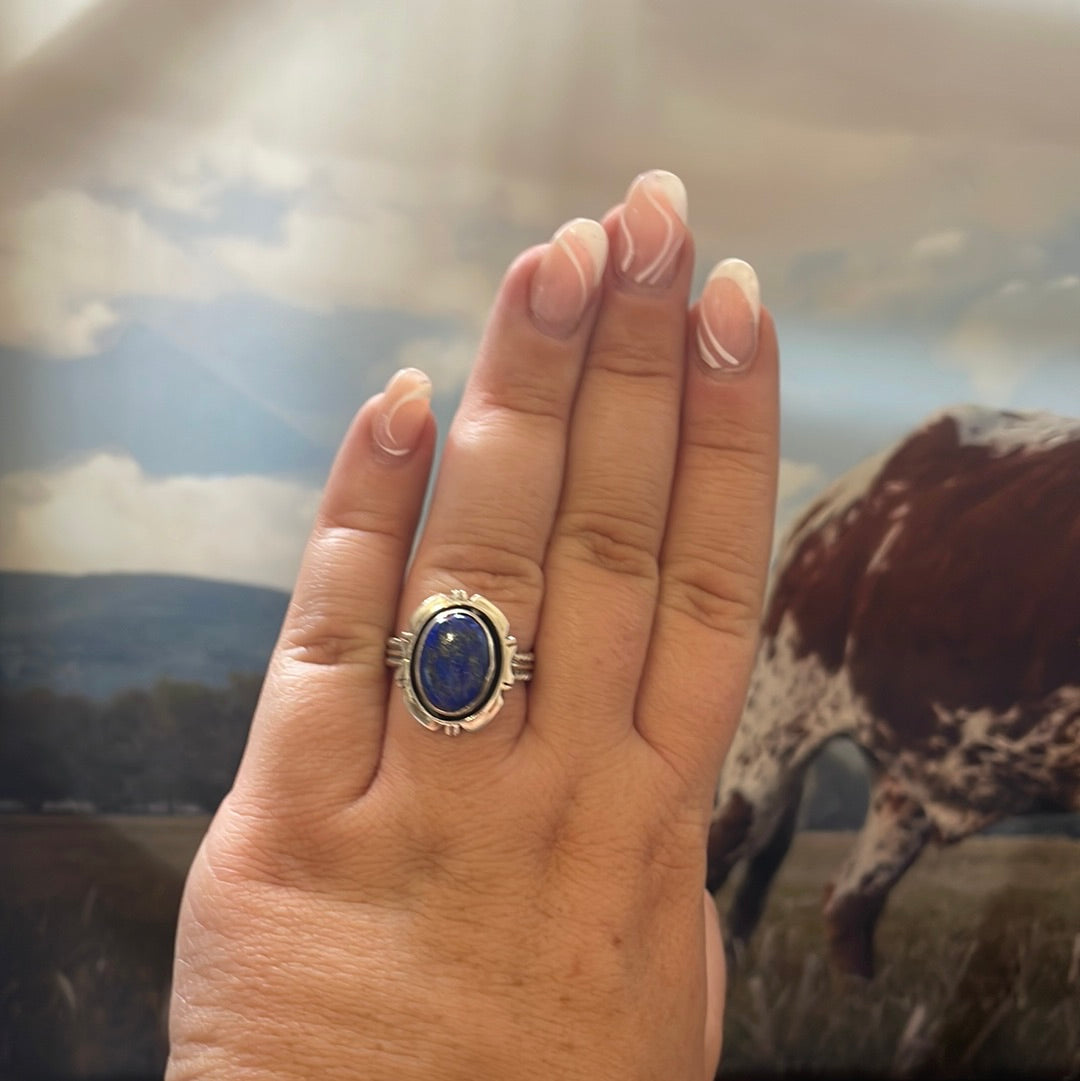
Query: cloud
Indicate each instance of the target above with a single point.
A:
(939, 245)
(1001, 339)
(26, 24)
(104, 514)
(848, 63)
(989, 304)
(241, 528)
(868, 196)
(192, 176)
(797, 484)
(1012, 287)
(994, 369)
(414, 186)
(446, 362)
(807, 119)
(379, 232)
(796, 477)
(379, 259)
(64, 257)
(126, 81)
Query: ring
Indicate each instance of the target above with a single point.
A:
(455, 661)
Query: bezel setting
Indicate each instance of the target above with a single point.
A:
(506, 665)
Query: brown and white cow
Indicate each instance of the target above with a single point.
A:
(927, 607)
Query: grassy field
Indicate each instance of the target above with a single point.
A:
(979, 953)
(979, 969)
(87, 912)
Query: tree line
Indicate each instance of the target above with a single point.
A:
(170, 748)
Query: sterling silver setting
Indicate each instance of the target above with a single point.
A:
(505, 664)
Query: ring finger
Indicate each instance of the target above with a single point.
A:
(502, 465)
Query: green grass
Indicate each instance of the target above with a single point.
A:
(978, 957)
(974, 950)
(87, 916)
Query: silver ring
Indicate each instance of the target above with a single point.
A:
(455, 661)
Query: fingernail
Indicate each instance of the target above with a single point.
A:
(652, 228)
(729, 315)
(404, 412)
(567, 277)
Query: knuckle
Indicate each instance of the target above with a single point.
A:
(325, 641)
(724, 556)
(327, 623)
(535, 400)
(508, 577)
(611, 541)
(743, 453)
(635, 357)
(723, 597)
(499, 530)
(349, 544)
(345, 527)
(259, 841)
(736, 432)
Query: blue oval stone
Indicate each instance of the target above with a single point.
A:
(454, 663)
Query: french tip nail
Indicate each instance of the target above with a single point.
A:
(404, 412)
(593, 237)
(727, 336)
(673, 188)
(652, 229)
(745, 277)
(417, 382)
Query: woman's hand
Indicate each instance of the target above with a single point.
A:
(374, 900)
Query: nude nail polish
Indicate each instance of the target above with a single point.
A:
(652, 229)
(729, 317)
(404, 412)
(567, 277)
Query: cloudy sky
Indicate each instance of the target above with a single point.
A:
(224, 224)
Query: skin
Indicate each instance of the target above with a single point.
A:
(374, 900)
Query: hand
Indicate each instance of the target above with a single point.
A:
(375, 900)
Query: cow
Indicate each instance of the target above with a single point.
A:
(926, 607)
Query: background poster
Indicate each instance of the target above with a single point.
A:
(224, 225)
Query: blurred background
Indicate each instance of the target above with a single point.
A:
(223, 225)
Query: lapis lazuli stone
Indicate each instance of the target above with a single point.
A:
(454, 664)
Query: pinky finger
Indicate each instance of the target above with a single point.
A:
(317, 733)
(716, 988)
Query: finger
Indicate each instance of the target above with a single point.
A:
(317, 732)
(719, 535)
(502, 465)
(716, 988)
(602, 562)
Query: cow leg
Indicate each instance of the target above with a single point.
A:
(893, 835)
(729, 834)
(753, 891)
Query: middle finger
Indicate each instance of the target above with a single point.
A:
(602, 564)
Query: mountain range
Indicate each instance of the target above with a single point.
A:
(133, 692)
(98, 635)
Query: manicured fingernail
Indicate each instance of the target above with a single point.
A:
(729, 315)
(567, 277)
(404, 412)
(652, 228)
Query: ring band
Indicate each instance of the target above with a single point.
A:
(455, 661)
